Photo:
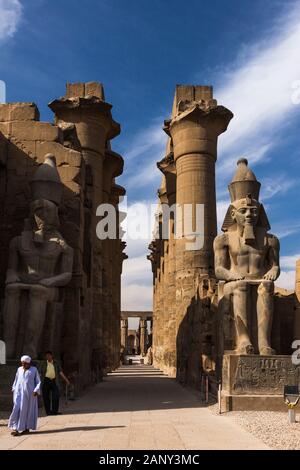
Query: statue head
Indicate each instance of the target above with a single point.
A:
(47, 193)
(45, 215)
(245, 210)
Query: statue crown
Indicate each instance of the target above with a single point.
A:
(46, 183)
(244, 182)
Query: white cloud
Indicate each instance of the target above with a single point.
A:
(146, 149)
(289, 262)
(10, 16)
(259, 91)
(137, 297)
(286, 280)
(285, 231)
(222, 207)
(287, 276)
(137, 270)
(276, 185)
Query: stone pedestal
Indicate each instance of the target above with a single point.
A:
(254, 382)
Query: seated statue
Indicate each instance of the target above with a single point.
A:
(247, 259)
(40, 261)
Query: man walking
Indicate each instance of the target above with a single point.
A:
(51, 371)
(26, 389)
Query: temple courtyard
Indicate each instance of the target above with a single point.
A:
(138, 407)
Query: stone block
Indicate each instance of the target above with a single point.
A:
(5, 128)
(203, 93)
(252, 403)
(258, 375)
(19, 112)
(22, 150)
(63, 155)
(94, 89)
(32, 130)
(24, 112)
(70, 173)
(73, 187)
(4, 112)
(75, 90)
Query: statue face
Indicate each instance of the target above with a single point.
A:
(245, 215)
(45, 214)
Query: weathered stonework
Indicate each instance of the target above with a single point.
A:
(191, 332)
(183, 278)
(89, 338)
(257, 375)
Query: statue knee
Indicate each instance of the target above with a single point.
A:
(266, 287)
(38, 292)
(242, 285)
(13, 290)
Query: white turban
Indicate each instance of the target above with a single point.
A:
(26, 359)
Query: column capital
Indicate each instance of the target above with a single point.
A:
(199, 112)
(195, 127)
(90, 105)
(84, 106)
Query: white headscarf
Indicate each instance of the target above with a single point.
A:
(26, 359)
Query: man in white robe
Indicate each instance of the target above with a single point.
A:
(26, 389)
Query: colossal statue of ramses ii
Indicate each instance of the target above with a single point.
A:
(247, 259)
(40, 261)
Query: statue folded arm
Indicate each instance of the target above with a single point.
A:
(64, 278)
(273, 259)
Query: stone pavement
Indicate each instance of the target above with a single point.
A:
(136, 407)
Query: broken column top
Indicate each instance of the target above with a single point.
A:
(88, 97)
(82, 95)
(191, 93)
(83, 90)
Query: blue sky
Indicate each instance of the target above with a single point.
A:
(140, 49)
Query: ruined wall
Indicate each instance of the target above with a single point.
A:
(80, 140)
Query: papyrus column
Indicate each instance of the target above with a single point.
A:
(194, 129)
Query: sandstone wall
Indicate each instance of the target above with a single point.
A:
(88, 341)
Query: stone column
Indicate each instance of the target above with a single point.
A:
(117, 259)
(168, 197)
(124, 334)
(297, 295)
(143, 336)
(196, 123)
(113, 167)
(84, 105)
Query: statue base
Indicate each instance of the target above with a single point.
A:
(253, 382)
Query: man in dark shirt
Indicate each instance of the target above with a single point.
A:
(51, 371)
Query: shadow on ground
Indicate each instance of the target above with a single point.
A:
(78, 428)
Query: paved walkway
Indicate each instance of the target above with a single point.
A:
(137, 407)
